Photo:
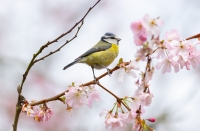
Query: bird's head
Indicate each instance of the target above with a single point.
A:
(110, 38)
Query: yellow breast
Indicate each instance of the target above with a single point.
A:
(102, 59)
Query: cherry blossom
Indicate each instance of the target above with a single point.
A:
(144, 98)
(170, 36)
(139, 33)
(93, 94)
(117, 121)
(151, 25)
(43, 115)
(76, 97)
(137, 126)
(166, 64)
(28, 110)
(128, 70)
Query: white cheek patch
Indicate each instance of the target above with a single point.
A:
(112, 41)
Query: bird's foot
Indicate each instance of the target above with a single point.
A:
(96, 81)
(109, 73)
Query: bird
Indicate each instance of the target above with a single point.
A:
(100, 55)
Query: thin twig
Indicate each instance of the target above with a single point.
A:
(42, 58)
(57, 97)
(19, 89)
(55, 40)
(119, 100)
(147, 68)
(108, 91)
(103, 75)
(193, 37)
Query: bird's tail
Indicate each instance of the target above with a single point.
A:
(74, 62)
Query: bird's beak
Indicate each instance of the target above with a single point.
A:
(118, 39)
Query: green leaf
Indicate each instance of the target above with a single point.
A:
(120, 61)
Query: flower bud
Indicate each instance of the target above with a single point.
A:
(151, 119)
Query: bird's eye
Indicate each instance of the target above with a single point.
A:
(112, 37)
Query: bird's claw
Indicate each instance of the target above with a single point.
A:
(108, 70)
(96, 81)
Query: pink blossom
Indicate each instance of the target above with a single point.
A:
(92, 95)
(180, 62)
(137, 126)
(139, 39)
(194, 59)
(160, 53)
(141, 54)
(137, 27)
(28, 110)
(144, 98)
(139, 33)
(135, 105)
(170, 36)
(180, 48)
(136, 108)
(105, 112)
(185, 54)
(149, 74)
(43, 115)
(117, 121)
(76, 97)
(152, 25)
(166, 64)
(128, 70)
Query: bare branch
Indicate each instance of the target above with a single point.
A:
(57, 97)
(55, 40)
(51, 53)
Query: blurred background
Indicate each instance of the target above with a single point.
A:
(27, 25)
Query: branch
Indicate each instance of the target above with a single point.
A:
(57, 97)
(51, 53)
(109, 91)
(55, 40)
(147, 68)
(119, 100)
(194, 36)
(19, 89)
(103, 75)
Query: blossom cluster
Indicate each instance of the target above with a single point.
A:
(177, 53)
(74, 97)
(173, 50)
(144, 28)
(136, 104)
(128, 70)
(42, 114)
(78, 95)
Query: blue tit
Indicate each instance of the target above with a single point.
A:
(100, 55)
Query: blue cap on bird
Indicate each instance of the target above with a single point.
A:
(110, 35)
